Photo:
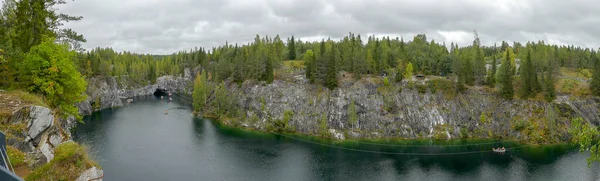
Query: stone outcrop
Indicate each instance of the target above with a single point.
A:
(395, 111)
(37, 132)
(109, 92)
(402, 112)
(91, 174)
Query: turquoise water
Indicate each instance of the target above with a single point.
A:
(139, 142)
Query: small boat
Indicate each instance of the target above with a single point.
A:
(499, 150)
(166, 112)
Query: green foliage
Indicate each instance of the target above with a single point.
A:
(70, 160)
(422, 88)
(48, 70)
(281, 125)
(386, 82)
(519, 124)
(291, 49)
(408, 73)
(528, 77)
(483, 118)
(201, 91)
(15, 156)
(595, 84)
(323, 124)
(506, 76)
(586, 136)
(311, 69)
(550, 93)
(399, 73)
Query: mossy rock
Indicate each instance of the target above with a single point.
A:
(70, 160)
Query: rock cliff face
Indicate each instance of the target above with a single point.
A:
(108, 92)
(395, 111)
(40, 133)
(401, 112)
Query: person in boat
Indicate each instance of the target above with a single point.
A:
(166, 112)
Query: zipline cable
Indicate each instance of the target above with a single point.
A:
(396, 153)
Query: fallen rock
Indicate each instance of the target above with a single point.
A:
(336, 135)
(91, 174)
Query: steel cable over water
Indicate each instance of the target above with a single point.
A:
(397, 153)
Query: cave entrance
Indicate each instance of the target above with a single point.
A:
(160, 92)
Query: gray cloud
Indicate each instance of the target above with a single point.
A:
(166, 26)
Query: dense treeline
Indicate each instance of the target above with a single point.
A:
(136, 67)
(533, 67)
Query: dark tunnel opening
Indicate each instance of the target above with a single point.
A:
(160, 92)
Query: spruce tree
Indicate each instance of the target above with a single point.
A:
(399, 73)
(331, 75)
(492, 77)
(528, 77)
(292, 49)
(506, 76)
(550, 90)
(595, 84)
(309, 62)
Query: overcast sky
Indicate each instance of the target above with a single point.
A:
(166, 26)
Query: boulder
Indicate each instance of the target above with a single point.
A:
(336, 135)
(85, 108)
(41, 118)
(91, 174)
(47, 151)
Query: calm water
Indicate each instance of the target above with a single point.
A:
(139, 142)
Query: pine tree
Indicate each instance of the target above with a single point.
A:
(292, 49)
(399, 73)
(506, 76)
(595, 84)
(492, 76)
(479, 60)
(309, 61)
(331, 76)
(528, 77)
(550, 90)
(371, 65)
(268, 72)
(199, 96)
(37, 19)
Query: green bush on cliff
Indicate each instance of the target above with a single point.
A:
(70, 160)
(587, 137)
(281, 125)
(48, 69)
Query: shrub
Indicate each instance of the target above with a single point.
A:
(48, 70)
(70, 159)
(519, 125)
(386, 81)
